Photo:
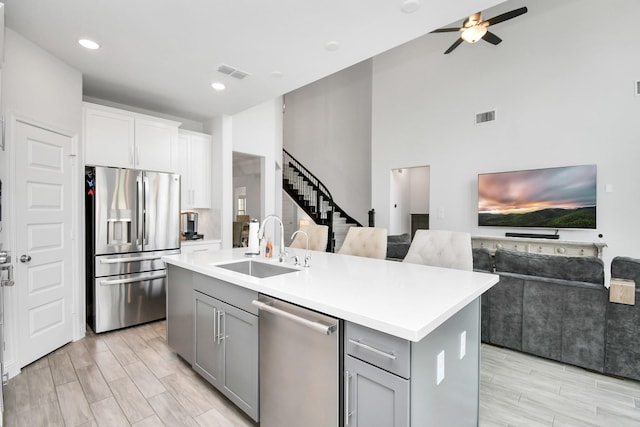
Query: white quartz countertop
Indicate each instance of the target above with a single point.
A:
(405, 300)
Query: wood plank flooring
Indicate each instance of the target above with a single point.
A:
(517, 389)
(123, 378)
(132, 378)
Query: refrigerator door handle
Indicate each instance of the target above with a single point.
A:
(139, 207)
(108, 282)
(145, 240)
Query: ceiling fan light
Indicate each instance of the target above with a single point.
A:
(473, 34)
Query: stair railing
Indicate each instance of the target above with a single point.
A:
(322, 195)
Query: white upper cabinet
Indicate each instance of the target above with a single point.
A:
(194, 166)
(120, 138)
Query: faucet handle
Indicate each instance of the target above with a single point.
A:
(307, 257)
(296, 260)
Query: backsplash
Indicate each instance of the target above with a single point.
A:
(208, 223)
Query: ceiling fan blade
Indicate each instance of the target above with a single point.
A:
(491, 38)
(453, 46)
(505, 16)
(446, 30)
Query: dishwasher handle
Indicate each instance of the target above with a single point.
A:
(314, 325)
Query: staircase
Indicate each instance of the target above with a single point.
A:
(315, 200)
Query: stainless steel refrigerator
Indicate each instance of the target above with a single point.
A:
(132, 220)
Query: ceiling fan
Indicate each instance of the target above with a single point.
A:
(474, 28)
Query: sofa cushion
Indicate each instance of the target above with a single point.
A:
(504, 302)
(398, 245)
(482, 260)
(582, 269)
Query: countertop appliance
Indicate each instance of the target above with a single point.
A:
(132, 220)
(189, 227)
(300, 365)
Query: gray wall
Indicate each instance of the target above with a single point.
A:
(562, 86)
(327, 127)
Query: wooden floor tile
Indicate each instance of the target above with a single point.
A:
(107, 413)
(73, 404)
(144, 379)
(92, 382)
(133, 404)
(170, 411)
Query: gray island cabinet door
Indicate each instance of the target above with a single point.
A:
(226, 350)
(374, 397)
(180, 311)
(208, 353)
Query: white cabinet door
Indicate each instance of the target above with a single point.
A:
(155, 144)
(124, 139)
(193, 155)
(200, 156)
(109, 138)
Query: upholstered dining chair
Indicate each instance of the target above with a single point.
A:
(318, 238)
(441, 248)
(370, 242)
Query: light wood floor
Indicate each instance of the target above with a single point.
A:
(131, 378)
(522, 390)
(123, 378)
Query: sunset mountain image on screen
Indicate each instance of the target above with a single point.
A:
(562, 197)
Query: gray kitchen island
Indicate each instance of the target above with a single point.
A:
(403, 346)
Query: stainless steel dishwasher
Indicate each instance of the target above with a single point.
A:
(300, 365)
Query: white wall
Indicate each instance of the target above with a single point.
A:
(258, 131)
(562, 86)
(41, 89)
(327, 128)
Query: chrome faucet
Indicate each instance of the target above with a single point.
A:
(307, 256)
(283, 254)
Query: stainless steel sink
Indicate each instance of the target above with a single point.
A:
(255, 268)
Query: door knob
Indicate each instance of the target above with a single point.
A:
(25, 258)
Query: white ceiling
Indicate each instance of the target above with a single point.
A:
(163, 55)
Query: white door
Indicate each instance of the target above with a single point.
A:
(43, 241)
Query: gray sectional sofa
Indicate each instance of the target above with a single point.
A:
(558, 308)
(622, 355)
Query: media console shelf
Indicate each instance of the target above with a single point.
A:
(540, 246)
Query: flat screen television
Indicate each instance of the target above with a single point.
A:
(562, 197)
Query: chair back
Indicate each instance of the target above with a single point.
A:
(370, 242)
(441, 248)
(318, 238)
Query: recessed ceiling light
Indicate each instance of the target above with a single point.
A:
(410, 6)
(89, 44)
(332, 46)
(277, 74)
(218, 86)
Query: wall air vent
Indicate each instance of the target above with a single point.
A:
(233, 72)
(487, 116)
(638, 88)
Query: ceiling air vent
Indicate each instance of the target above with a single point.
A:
(487, 116)
(233, 72)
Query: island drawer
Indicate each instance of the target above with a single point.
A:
(227, 292)
(383, 350)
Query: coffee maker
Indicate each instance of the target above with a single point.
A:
(190, 226)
